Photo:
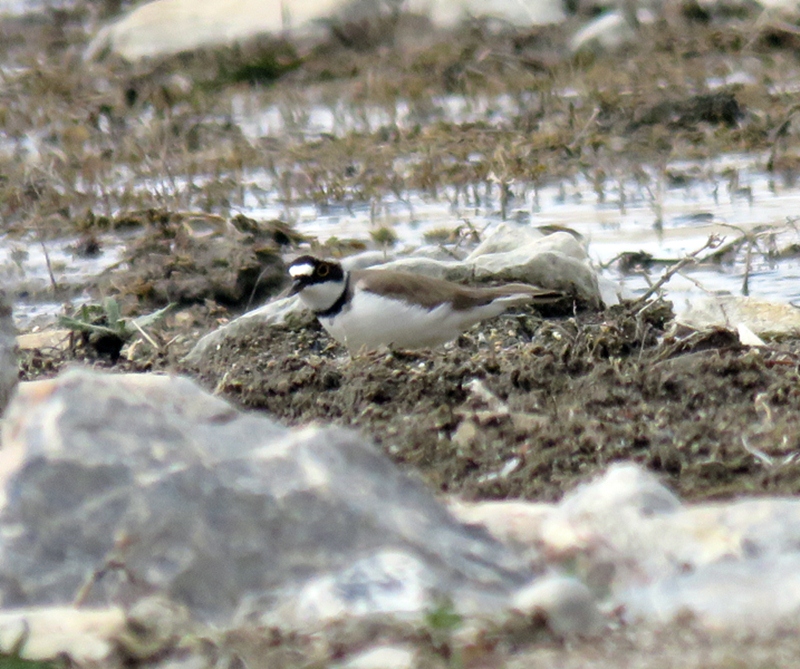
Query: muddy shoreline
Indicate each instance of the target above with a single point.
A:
(557, 400)
(521, 406)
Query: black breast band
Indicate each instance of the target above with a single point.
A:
(336, 307)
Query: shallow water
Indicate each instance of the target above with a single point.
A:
(627, 217)
(728, 197)
(667, 212)
(24, 271)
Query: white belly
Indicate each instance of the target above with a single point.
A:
(371, 321)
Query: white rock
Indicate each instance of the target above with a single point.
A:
(761, 317)
(170, 26)
(611, 292)
(437, 269)
(747, 337)
(57, 339)
(638, 521)
(448, 253)
(557, 261)
(738, 530)
(272, 313)
(730, 565)
(566, 603)
(623, 484)
(446, 13)
(510, 521)
(366, 259)
(506, 238)
(595, 510)
(745, 596)
(608, 31)
(785, 7)
(557, 242)
(382, 657)
(46, 633)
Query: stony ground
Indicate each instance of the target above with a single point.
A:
(526, 407)
(523, 406)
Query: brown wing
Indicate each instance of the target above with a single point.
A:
(430, 292)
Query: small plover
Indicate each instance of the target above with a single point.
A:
(364, 309)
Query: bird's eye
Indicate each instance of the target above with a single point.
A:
(323, 270)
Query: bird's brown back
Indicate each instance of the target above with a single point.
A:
(430, 292)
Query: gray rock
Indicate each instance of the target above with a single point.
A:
(445, 252)
(272, 313)
(530, 244)
(437, 269)
(762, 317)
(566, 604)
(366, 259)
(228, 514)
(543, 267)
(548, 269)
(556, 261)
(506, 238)
(9, 369)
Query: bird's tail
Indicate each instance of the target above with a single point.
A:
(520, 293)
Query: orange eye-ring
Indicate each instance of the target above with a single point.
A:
(323, 270)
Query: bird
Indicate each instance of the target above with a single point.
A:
(369, 308)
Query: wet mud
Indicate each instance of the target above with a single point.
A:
(527, 407)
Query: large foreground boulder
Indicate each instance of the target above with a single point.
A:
(116, 487)
(9, 371)
(731, 566)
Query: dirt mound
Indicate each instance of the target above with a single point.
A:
(525, 407)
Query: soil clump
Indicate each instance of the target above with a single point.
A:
(525, 407)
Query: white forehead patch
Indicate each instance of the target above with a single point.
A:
(306, 269)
